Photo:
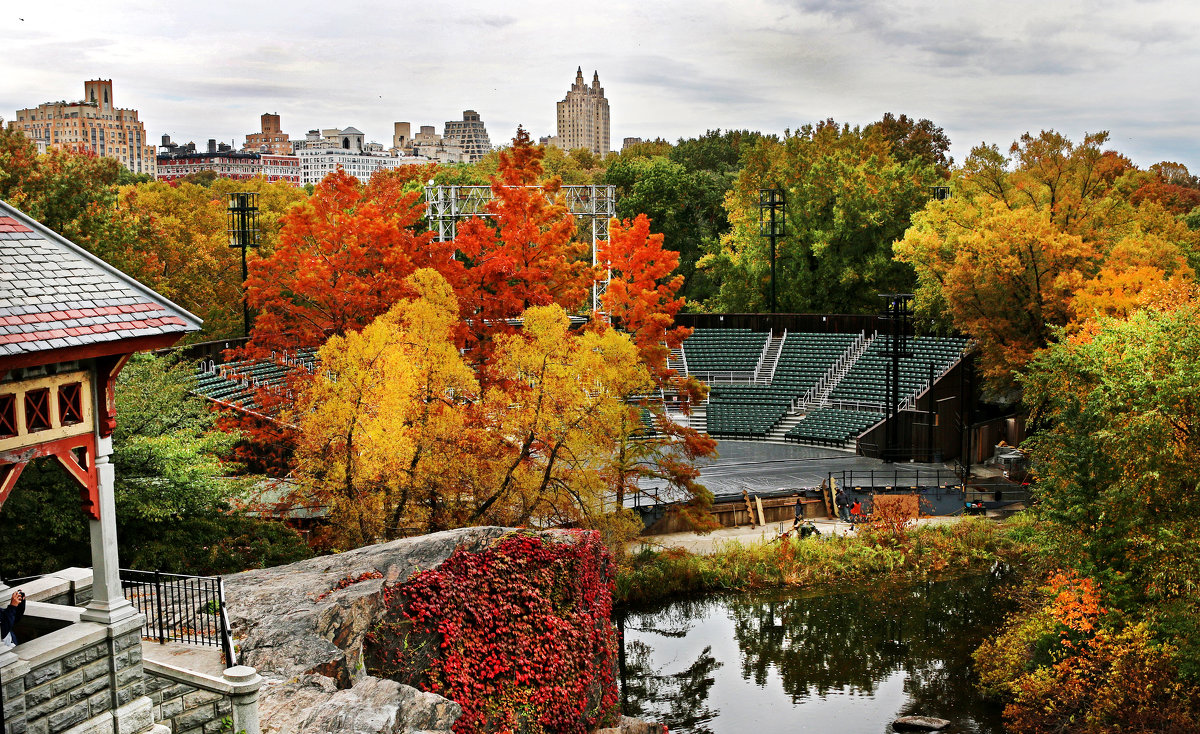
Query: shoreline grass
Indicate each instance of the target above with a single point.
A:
(917, 553)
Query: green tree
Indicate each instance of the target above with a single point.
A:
(173, 492)
(848, 199)
(1115, 454)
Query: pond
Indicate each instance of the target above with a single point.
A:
(833, 661)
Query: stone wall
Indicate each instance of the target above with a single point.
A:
(77, 680)
(186, 709)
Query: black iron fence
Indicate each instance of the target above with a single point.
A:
(178, 608)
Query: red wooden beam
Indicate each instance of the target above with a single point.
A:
(84, 474)
(88, 351)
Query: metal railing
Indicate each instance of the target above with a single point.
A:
(725, 377)
(179, 608)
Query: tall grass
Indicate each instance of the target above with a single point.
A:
(919, 552)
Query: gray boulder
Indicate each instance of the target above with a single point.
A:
(919, 723)
(630, 725)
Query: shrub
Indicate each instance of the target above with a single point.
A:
(519, 634)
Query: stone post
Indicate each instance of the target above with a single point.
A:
(108, 604)
(245, 682)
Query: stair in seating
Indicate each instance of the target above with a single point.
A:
(783, 426)
(766, 370)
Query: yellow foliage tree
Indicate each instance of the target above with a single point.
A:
(1045, 237)
(396, 437)
(382, 430)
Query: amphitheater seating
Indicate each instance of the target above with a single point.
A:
(806, 357)
(235, 383)
(723, 350)
(748, 411)
(648, 428)
(867, 380)
(753, 410)
(832, 427)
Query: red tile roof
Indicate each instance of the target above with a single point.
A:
(54, 294)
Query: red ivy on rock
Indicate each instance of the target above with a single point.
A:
(350, 580)
(519, 634)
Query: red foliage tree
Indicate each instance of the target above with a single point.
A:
(526, 255)
(341, 261)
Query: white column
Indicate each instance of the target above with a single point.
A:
(108, 604)
(245, 682)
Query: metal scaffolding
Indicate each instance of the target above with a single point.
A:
(597, 204)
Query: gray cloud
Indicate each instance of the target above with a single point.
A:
(984, 71)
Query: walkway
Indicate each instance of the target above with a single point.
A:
(710, 542)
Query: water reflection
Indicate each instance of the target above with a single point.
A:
(787, 662)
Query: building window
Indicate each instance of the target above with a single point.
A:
(8, 416)
(37, 410)
(70, 404)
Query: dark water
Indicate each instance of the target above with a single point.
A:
(812, 662)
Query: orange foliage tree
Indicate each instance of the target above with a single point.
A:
(1047, 236)
(534, 439)
(526, 254)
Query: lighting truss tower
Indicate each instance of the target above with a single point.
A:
(243, 234)
(772, 216)
(898, 314)
(447, 205)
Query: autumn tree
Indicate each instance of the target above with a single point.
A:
(383, 427)
(341, 261)
(1113, 643)
(1117, 446)
(196, 267)
(1045, 237)
(525, 254)
(396, 432)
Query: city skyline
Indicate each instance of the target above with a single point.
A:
(672, 70)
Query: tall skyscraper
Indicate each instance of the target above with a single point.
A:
(471, 135)
(93, 124)
(583, 116)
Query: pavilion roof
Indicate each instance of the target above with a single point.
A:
(54, 295)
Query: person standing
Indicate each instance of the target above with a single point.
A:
(843, 504)
(856, 512)
(10, 615)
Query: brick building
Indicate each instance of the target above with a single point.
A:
(270, 140)
(92, 124)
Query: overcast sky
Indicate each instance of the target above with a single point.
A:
(984, 71)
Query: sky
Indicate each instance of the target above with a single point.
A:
(983, 71)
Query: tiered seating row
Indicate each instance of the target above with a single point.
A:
(806, 358)
(724, 350)
(232, 387)
(867, 380)
(832, 427)
(748, 411)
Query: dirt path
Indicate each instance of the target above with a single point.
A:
(697, 543)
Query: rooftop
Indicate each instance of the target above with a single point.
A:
(56, 295)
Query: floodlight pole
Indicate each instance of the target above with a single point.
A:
(772, 216)
(243, 234)
(898, 312)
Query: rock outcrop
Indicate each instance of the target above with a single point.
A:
(919, 723)
(302, 626)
